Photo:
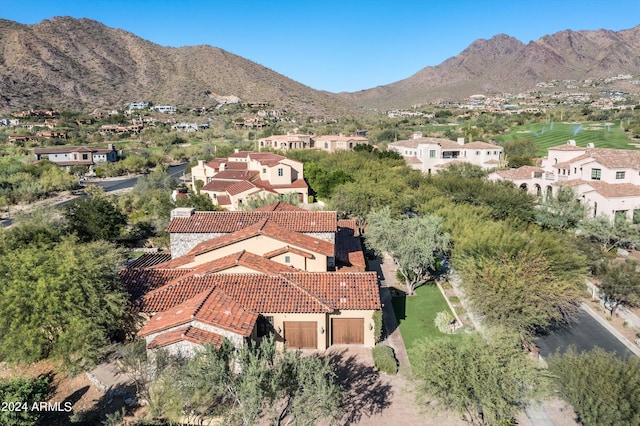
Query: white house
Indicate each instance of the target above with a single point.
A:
(429, 155)
(608, 180)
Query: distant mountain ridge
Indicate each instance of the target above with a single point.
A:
(505, 64)
(82, 64)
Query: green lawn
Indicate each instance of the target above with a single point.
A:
(601, 134)
(416, 314)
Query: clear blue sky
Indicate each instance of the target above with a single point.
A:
(335, 45)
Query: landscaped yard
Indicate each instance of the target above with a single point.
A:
(416, 314)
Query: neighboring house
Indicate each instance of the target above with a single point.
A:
(167, 109)
(332, 143)
(286, 142)
(77, 155)
(243, 275)
(329, 143)
(230, 181)
(430, 155)
(607, 180)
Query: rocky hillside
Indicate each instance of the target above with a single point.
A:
(504, 64)
(82, 64)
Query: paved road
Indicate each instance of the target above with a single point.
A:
(585, 334)
(111, 185)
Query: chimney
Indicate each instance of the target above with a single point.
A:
(236, 150)
(200, 163)
(590, 145)
(111, 147)
(417, 135)
(571, 142)
(182, 212)
(460, 141)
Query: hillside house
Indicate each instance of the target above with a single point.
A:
(286, 142)
(230, 181)
(430, 155)
(333, 143)
(607, 180)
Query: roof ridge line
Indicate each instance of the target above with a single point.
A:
(305, 291)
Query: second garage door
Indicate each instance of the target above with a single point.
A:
(301, 334)
(347, 331)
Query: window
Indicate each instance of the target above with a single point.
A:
(619, 175)
(432, 153)
(287, 259)
(596, 174)
(477, 152)
(280, 172)
(85, 156)
(264, 170)
(326, 145)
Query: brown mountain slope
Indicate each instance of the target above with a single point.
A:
(504, 64)
(80, 63)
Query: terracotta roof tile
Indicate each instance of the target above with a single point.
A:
(279, 206)
(236, 174)
(188, 333)
(226, 222)
(139, 282)
(288, 249)
(610, 190)
(224, 200)
(240, 187)
(211, 307)
(269, 228)
(349, 252)
(524, 172)
(567, 147)
(237, 165)
(341, 290)
(216, 185)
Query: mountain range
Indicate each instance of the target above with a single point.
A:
(82, 64)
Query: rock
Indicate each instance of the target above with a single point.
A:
(622, 253)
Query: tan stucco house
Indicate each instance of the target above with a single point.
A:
(248, 274)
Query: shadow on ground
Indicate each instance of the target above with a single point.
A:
(111, 402)
(367, 395)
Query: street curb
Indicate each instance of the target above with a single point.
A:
(633, 348)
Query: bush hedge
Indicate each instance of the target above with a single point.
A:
(384, 359)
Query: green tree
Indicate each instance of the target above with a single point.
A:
(94, 218)
(488, 383)
(23, 392)
(414, 244)
(608, 234)
(560, 212)
(620, 284)
(63, 300)
(602, 388)
(256, 382)
(522, 281)
(255, 201)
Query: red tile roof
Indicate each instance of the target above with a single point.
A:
(237, 165)
(139, 282)
(279, 206)
(216, 185)
(224, 200)
(212, 307)
(523, 172)
(243, 258)
(288, 249)
(226, 222)
(240, 187)
(188, 333)
(340, 290)
(237, 174)
(269, 228)
(349, 252)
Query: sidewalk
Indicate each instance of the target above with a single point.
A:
(387, 275)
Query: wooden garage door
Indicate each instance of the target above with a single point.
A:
(301, 334)
(347, 331)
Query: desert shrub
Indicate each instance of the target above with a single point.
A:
(377, 325)
(384, 359)
(443, 322)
